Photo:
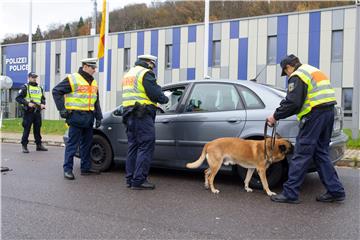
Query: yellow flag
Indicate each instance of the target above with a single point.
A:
(101, 45)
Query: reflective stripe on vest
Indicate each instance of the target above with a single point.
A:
(83, 95)
(133, 88)
(34, 93)
(319, 88)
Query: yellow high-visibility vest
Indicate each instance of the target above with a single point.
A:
(319, 89)
(133, 88)
(83, 95)
(34, 93)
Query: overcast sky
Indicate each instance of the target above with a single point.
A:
(14, 14)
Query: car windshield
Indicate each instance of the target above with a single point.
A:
(281, 92)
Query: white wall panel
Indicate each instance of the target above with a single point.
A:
(338, 94)
(262, 41)
(191, 55)
(120, 72)
(349, 45)
(325, 39)
(114, 71)
(252, 48)
(147, 42)
(215, 73)
(161, 57)
(293, 24)
(183, 47)
(233, 64)
(133, 49)
(175, 75)
(244, 29)
(63, 59)
(199, 73)
(271, 74)
(303, 37)
(225, 44)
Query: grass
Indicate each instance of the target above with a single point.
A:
(352, 143)
(50, 127)
(58, 127)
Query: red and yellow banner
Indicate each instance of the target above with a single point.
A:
(101, 45)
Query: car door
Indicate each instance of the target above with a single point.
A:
(165, 144)
(212, 110)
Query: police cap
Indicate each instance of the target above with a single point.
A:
(92, 62)
(32, 75)
(288, 60)
(148, 57)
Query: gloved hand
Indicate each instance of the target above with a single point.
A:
(97, 123)
(65, 113)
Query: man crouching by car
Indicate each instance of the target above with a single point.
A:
(77, 99)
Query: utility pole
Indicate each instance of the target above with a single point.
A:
(93, 20)
(30, 38)
(206, 39)
(356, 89)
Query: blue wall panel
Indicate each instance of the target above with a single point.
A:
(243, 58)
(234, 29)
(120, 40)
(191, 73)
(192, 34)
(47, 66)
(210, 45)
(154, 44)
(282, 36)
(70, 48)
(108, 85)
(140, 43)
(176, 48)
(314, 38)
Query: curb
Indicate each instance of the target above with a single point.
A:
(48, 143)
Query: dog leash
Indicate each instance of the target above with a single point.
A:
(272, 143)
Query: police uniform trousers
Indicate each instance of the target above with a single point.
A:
(312, 142)
(31, 118)
(80, 132)
(141, 144)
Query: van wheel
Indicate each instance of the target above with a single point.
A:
(100, 154)
(274, 175)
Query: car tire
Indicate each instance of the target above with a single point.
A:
(100, 153)
(274, 174)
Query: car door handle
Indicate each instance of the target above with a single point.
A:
(233, 120)
(165, 121)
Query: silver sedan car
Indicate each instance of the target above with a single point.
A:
(201, 111)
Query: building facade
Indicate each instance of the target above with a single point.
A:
(239, 49)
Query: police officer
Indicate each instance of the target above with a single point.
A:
(77, 99)
(141, 93)
(312, 98)
(31, 96)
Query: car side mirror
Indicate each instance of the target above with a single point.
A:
(119, 111)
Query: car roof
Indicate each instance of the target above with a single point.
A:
(242, 82)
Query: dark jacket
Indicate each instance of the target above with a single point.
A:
(64, 87)
(22, 94)
(152, 90)
(295, 98)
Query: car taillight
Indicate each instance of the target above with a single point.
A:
(338, 121)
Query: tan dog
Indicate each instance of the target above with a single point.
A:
(246, 153)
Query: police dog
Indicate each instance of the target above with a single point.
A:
(246, 153)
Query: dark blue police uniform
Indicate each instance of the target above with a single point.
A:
(140, 130)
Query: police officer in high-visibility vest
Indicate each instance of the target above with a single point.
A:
(140, 96)
(77, 99)
(32, 98)
(311, 97)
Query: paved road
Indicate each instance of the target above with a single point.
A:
(38, 203)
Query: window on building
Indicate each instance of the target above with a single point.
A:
(57, 63)
(216, 53)
(168, 56)
(271, 49)
(90, 54)
(347, 95)
(126, 59)
(337, 46)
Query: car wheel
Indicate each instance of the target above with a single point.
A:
(100, 153)
(274, 175)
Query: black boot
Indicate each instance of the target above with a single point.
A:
(25, 149)
(40, 147)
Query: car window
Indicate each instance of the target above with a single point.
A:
(212, 97)
(252, 101)
(174, 95)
